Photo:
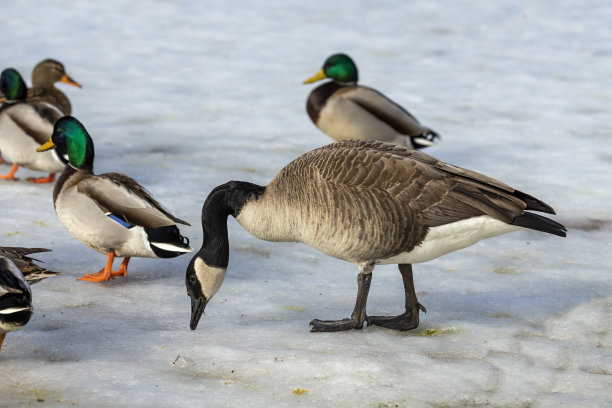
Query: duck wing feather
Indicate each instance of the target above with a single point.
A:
(386, 110)
(122, 196)
(50, 95)
(19, 256)
(35, 119)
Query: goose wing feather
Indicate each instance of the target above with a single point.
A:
(415, 183)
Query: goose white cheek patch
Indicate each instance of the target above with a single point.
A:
(210, 277)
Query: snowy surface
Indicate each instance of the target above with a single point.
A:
(187, 95)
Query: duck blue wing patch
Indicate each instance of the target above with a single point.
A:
(119, 220)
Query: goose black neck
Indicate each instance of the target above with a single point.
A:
(226, 199)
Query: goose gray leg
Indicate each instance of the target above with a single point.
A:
(410, 318)
(358, 317)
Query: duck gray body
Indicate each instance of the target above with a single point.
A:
(351, 111)
(83, 201)
(17, 272)
(15, 298)
(367, 203)
(25, 126)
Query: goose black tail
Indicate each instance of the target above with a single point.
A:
(533, 203)
(539, 223)
(167, 242)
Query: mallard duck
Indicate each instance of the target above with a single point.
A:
(44, 76)
(24, 126)
(344, 110)
(17, 272)
(111, 213)
(365, 202)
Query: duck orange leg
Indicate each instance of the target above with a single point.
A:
(48, 179)
(2, 339)
(122, 268)
(11, 174)
(107, 272)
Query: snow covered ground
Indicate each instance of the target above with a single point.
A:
(187, 95)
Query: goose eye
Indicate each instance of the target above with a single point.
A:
(192, 279)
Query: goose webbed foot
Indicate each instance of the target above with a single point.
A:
(406, 321)
(410, 318)
(335, 325)
(358, 317)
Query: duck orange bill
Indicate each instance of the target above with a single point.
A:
(66, 79)
(47, 146)
(2, 98)
(316, 77)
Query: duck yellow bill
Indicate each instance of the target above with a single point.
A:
(67, 80)
(316, 77)
(47, 146)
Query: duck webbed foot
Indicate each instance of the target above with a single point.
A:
(48, 179)
(11, 174)
(358, 317)
(107, 273)
(410, 318)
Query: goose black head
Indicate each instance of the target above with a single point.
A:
(202, 281)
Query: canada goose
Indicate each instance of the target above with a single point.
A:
(365, 202)
(344, 110)
(44, 76)
(24, 126)
(111, 213)
(17, 272)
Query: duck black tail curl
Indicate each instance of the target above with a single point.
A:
(167, 242)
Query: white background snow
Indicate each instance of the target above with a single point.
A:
(187, 95)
